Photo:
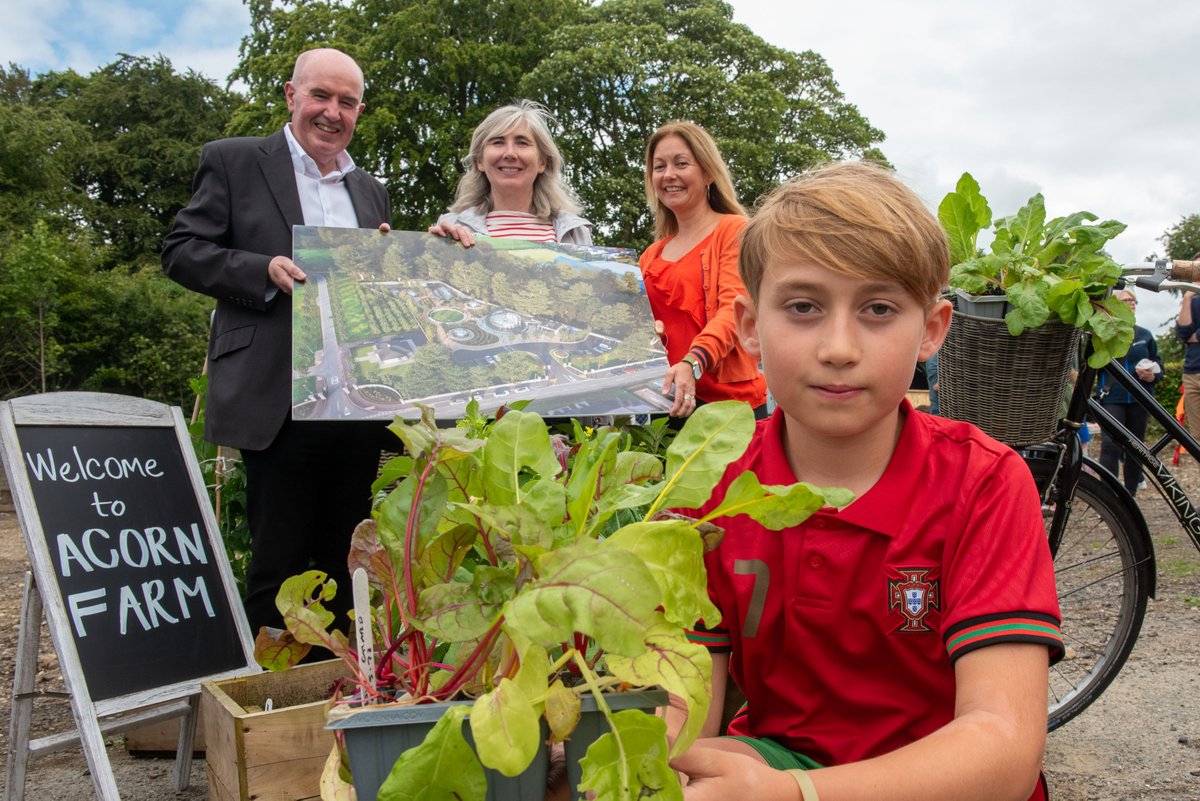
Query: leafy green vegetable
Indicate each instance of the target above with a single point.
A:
(1054, 269)
(442, 767)
(525, 568)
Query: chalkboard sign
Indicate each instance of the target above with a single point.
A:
(123, 543)
(132, 558)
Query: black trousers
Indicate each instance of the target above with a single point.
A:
(1133, 417)
(305, 493)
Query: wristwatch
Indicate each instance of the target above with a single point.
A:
(697, 370)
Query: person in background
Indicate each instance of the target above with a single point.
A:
(513, 185)
(690, 271)
(931, 376)
(1187, 327)
(307, 483)
(1143, 363)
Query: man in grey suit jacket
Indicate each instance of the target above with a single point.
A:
(307, 483)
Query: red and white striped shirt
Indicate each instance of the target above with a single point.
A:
(520, 225)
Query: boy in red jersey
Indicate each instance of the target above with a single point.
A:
(895, 648)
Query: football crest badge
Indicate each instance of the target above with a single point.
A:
(914, 595)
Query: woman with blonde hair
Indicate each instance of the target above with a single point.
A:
(691, 271)
(513, 184)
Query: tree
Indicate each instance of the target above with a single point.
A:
(70, 325)
(628, 66)
(611, 73)
(145, 125)
(92, 171)
(1182, 240)
(39, 147)
(432, 72)
(37, 269)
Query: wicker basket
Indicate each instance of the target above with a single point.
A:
(1011, 387)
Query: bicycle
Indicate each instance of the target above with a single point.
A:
(1103, 554)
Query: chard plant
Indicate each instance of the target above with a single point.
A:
(1045, 268)
(502, 571)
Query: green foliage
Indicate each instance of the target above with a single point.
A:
(1045, 269)
(144, 126)
(492, 578)
(445, 767)
(1182, 240)
(41, 272)
(625, 67)
(1167, 388)
(627, 762)
(225, 479)
(92, 171)
(611, 72)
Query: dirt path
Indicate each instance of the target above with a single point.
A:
(1141, 740)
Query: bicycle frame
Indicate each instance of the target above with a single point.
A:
(1168, 486)
(1070, 460)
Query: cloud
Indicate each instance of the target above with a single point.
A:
(25, 36)
(83, 35)
(1089, 103)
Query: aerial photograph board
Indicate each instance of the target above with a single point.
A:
(389, 322)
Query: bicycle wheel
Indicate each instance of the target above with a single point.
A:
(1102, 568)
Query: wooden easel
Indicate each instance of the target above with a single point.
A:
(90, 728)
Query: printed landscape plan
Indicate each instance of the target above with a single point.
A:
(389, 321)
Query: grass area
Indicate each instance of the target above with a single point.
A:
(371, 373)
(1191, 601)
(350, 316)
(307, 337)
(303, 387)
(1176, 567)
(316, 259)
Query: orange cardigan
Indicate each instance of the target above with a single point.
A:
(717, 343)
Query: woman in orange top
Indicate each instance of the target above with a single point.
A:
(691, 271)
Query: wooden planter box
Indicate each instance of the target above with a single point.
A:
(253, 755)
(161, 739)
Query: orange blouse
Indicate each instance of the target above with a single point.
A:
(693, 300)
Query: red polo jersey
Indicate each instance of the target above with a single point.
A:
(843, 631)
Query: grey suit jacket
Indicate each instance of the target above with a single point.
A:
(244, 204)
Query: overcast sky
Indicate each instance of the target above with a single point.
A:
(1087, 103)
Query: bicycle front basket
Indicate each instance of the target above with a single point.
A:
(1011, 387)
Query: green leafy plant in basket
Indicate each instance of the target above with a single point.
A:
(1046, 269)
(502, 572)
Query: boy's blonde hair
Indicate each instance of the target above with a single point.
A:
(854, 218)
(721, 195)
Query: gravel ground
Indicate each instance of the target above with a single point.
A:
(1141, 740)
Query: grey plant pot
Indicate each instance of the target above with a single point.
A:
(375, 739)
(990, 306)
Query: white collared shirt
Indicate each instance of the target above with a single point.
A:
(323, 198)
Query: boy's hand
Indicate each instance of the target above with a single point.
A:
(714, 774)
